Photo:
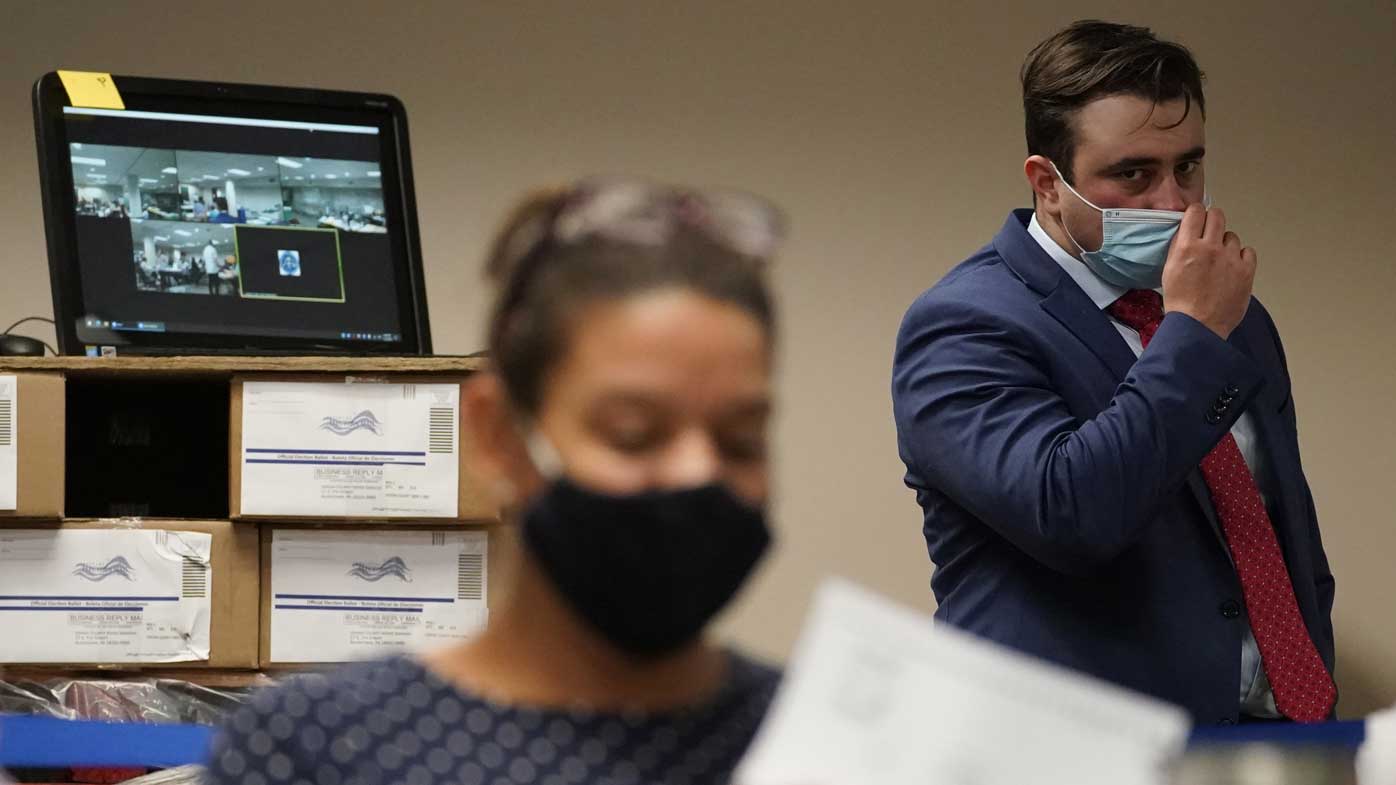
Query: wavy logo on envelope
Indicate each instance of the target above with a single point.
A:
(100, 572)
(393, 566)
(343, 426)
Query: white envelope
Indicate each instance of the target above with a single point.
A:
(876, 694)
(9, 442)
(350, 450)
(104, 596)
(347, 595)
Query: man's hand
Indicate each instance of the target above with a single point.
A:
(1208, 275)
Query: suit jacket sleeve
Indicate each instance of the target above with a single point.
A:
(979, 420)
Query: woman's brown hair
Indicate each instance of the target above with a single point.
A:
(541, 284)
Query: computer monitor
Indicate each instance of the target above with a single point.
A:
(223, 218)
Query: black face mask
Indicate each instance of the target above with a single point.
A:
(648, 570)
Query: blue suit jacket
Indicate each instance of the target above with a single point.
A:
(1058, 475)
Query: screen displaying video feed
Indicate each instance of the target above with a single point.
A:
(282, 232)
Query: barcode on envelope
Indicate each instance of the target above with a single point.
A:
(470, 576)
(441, 430)
(7, 422)
(194, 579)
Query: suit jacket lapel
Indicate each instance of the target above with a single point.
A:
(1264, 412)
(1283, 462)
(1198, 485)
(1061, 297)
(1070, 306)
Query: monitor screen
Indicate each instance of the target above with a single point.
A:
(217, 228)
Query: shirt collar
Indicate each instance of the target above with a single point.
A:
(1101, 292)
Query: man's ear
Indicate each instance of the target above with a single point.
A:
(498, 456)
(1043, 180)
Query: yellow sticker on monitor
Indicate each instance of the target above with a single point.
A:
(91, 89)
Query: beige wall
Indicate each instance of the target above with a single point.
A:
(891, 133)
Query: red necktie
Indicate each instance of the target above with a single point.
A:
(1304, 690)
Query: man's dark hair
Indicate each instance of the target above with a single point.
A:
(1089, 60)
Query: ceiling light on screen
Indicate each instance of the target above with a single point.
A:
(330, 176)
(161, 238)
(76, 145)
(375, 173)
(149, 180)
(287, 162)
(78, 159)
(239, 172)
(183, 233)
(170, 170)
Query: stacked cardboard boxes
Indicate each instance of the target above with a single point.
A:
(349, 529)
(32, 435)
(375, 539)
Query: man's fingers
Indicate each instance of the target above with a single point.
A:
(1194, 220)
(1216, 225)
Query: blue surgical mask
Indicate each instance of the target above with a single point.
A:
(1134, 243)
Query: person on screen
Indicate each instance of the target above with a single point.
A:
(622, 422)
(228, 275)
(1094, 410)
(200, 210)
(212, 265)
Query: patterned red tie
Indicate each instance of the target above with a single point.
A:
(1304, 691)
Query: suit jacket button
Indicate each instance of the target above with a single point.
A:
(1220, 406)
(1233, 390)
(1230, 609)
(1213, 418)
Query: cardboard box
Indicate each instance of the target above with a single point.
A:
(234, 593)
(378, 577)
(472, 504)
(40, 438)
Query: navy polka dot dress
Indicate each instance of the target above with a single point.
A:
(393, 722)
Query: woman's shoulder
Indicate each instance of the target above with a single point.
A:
(309, 716)
(752, 680)
(393, 720)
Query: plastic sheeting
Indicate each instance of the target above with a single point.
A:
(137, 700)
(127, 700)
(179, 775)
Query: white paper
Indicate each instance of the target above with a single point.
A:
(350, 450)
(343, 595)
(877, 694)
(1376, 758)
(104, 596)
(9, 442)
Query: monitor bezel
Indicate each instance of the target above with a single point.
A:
(215, 98)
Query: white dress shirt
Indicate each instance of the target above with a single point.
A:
(1257, 700)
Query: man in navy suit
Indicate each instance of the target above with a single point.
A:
(1095, 415)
